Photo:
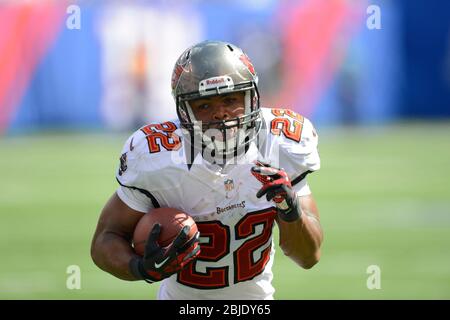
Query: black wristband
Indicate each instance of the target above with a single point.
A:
(136, 266)
(293, 213)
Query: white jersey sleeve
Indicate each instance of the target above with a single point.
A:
(292, 145)
(132, 190)
(302, 158)
(135, 199)
(302, 188)
(149, 172)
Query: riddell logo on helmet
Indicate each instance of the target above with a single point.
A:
(222, 82)
(215, 81)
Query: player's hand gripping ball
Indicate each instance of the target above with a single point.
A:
(168, 240)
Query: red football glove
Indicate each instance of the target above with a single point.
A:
(159, 262)
(277, 187)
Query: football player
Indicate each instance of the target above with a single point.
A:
(235, 167)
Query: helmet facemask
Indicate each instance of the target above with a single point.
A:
(222, 141)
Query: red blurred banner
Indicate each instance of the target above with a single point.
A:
(26, 33)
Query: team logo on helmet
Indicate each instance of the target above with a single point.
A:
(180, 67)
(245, 60)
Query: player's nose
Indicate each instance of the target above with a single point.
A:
(221, 112)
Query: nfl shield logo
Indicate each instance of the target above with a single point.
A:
(229, 185)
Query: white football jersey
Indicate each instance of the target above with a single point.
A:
(235, 227)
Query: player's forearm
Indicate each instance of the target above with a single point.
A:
(112, 253)
(301, 239)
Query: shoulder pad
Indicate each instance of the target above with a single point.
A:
(147, 150)
(292, 141)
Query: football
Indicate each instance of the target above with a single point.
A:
(171, 221)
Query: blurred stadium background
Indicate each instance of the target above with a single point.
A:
(70, 95)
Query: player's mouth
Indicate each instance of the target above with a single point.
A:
(219, 132)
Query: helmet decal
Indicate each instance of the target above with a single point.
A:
(245, 60)
(180, 67)
(215, 85)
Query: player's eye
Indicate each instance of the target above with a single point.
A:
(203, 106)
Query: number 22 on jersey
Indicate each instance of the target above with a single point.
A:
(291, 126)
(161, 134)
(217, 247)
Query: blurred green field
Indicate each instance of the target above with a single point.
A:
(383, 196)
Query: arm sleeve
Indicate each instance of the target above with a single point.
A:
(134, 199)
(302, 158)
(302, 188)
(131, 176)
